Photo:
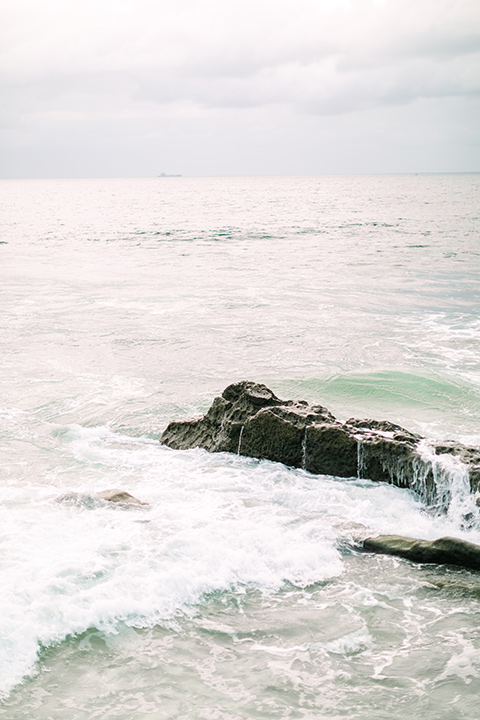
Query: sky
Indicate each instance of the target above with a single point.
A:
(134, 88)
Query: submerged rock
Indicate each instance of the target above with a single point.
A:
(249, 419)
(119, 496)
(446, 550)
(95, 500)
(80, 500)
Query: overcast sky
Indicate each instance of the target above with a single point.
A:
(104, 88)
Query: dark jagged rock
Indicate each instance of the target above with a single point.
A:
(331, 449)
(249, 419)
(446, 550)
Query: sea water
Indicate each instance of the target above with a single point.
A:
(238, 590)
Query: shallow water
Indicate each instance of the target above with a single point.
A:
(237, 592)
(363, 647)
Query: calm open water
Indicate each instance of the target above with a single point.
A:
(235, 594)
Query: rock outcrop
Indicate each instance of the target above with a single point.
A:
(446, 550)
(249, 419)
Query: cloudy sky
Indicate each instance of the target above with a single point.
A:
(104, 88)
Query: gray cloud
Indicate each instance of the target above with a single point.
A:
(82, 65)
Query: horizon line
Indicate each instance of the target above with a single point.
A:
(245, 175)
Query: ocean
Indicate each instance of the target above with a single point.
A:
(238, 590)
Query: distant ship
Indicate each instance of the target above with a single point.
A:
(165, 175)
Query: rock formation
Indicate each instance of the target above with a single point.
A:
(446, 550)
(249, 419)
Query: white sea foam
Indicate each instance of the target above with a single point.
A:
(94, 566)
(451, 486)
(464, 664)
(213, 523)
(351, 643)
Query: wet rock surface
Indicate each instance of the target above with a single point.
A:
(249, 419)
(446, 550)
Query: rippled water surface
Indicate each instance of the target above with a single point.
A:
(237, 592)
